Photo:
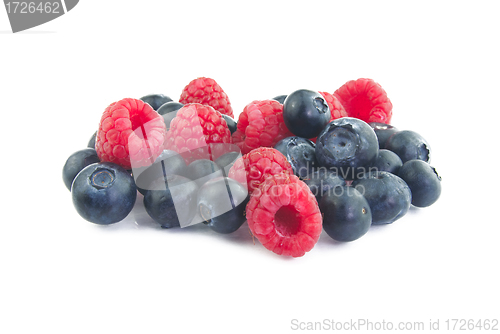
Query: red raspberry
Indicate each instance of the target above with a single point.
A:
(131, 134)
(284, 216)
(336, 108)
(365, 99)
(196, 130)
(207, 91)
(256, 166)
(260, 124)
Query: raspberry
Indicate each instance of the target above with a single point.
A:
(365, 99)
(256, 166)
(206, 91)
(195, 132)
(260, 124)
(131, 134)
(284, 216)
(336, 108)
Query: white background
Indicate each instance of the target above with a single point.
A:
(438, 62)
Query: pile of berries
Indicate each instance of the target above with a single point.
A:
(291, 166)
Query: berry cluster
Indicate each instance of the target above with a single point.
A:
(291, 166)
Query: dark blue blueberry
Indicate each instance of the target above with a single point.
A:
(221, 203)
(388, 195)
(409, 145)
(168, 163)
(91, 143)
(104, 193)
(226, 161)
(347, 146)
(305, 113)
(171, 202)
(387, 161)
(156, 100)
(346, 214)
(169, 111)
(383, 132)
(231, 123)
(76, 162)
(280, 98)
(322, 181)
(300, 153)
(423, 180)
(202, 170)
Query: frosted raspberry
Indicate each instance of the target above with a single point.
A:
(284, 216)
(365, 99)
(195, 132)
(256, 166)
(130, 134)
(260, 125)
(206, 91)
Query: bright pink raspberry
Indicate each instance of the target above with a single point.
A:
(365, 99)
(284, 216)
(257, 165)
(206, 91)
(260, 125)
(131, 134)
(195, 132)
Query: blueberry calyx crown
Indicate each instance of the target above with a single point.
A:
(102, 178)
(344, 142)
(320, 105)
(205, 213)
(435, 172)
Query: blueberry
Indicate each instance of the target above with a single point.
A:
(383, 132)
(300, 153)
(226, 161)
(409, 145)
(231, 123)
(156, 100)
(168, 163)
(322, 181)
(347, 146)
(76, 162)
(169, 111)
(104, 193)
(305, 113)
(221, 203)
(202, 170)
(280, 98)
(91, 143)
(388, 195)
(387, 161)
(423, 180)
(346, 214)
(171, 201)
